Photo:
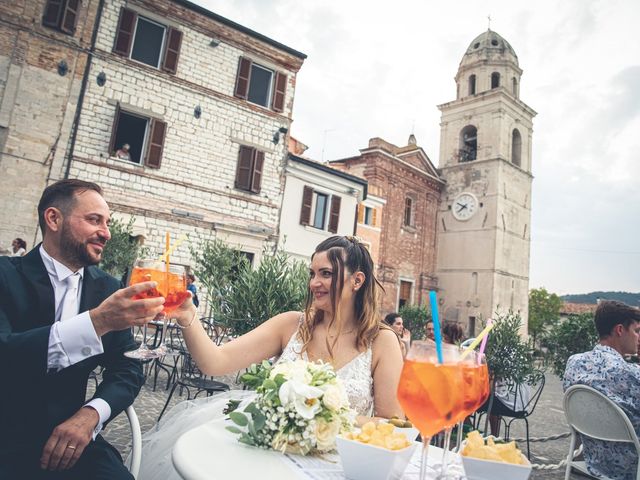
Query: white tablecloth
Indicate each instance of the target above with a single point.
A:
(209, 452)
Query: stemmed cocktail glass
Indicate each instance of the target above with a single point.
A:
(172, 285)
(429, 392)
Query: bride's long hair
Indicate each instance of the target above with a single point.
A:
(346, 252)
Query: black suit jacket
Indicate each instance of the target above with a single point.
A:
(33, 401)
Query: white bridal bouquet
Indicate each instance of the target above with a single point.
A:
(300, 408)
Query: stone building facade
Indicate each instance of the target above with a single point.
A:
(43, 60)
(408, 183)
(204, 105)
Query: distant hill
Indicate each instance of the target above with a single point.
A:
(626, 297)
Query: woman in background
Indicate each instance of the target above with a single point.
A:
(394, 320)
(18, 247)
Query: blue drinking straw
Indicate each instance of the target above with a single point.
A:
(436, 324)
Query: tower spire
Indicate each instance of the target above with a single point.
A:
(489, 22)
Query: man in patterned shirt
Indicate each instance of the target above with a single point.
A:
(605, 370)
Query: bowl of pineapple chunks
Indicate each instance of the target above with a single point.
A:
(488, 459)
(375, 452)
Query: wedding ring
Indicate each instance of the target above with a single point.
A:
(71, 447)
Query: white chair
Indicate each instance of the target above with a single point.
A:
(136, 442)
(592, 414)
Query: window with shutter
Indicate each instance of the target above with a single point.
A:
(124, 36)
(244, 170)
(307, 201)
(172, 50)
(334, 215)
(130, 134)
(69, 17)
(156, 143)
(361, 210)
(61, 15)
(242, 80)
(279, 92)
(258, 164)
(374, 217)
(404, 295)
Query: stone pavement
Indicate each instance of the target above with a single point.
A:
(548, 419)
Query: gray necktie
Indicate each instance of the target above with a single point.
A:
(69, 304)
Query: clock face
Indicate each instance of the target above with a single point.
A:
(464, 206)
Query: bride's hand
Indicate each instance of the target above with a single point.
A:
(185, 313)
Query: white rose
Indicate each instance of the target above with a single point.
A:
(334, 398)
(325, 434)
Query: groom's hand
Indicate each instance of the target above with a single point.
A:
(121, 311)
(68, 440)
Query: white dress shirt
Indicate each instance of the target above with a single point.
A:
(74, 338)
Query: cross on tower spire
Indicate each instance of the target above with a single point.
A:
(489, 22)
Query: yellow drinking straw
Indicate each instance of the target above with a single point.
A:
(477, 341)
(169, 250)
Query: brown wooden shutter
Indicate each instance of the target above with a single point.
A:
(279, 92)
(361, 209)
(52, 12)
(156, 143)
(242, 80)
(124, 35)
(258, 165)
(244, 169)
(307, 200)
(334, 216)
(172, 50)
(114, 131)
(69, 18)
(374, 217)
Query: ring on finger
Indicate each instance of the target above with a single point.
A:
(71, 447)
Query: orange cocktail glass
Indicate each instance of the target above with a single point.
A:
(429, 393)
(172, 285)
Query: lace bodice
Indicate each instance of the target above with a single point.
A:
(355, 375)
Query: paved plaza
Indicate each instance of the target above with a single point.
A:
(548, 419)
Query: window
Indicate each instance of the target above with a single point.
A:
(249, 169)
(409, 207)
(404, 295)
(495, 80)
(320, 210)
(144, 137)
(322, 206)
(516, 147)
(61, 15)
(471, 332)
(472, 85)
(147, 42)
(367, 215)
(514, 87)
(260, 85)
(468, 144)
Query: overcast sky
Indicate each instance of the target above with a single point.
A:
(379, 69)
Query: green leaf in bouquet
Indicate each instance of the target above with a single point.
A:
(252, 429)
(233, 429)
(259, 420)
(247, 440)
(239, 418)
(269, 384)
(252, 409)
(279, 379)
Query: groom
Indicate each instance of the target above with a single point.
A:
(60, 318)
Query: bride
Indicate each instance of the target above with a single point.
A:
(340, 325)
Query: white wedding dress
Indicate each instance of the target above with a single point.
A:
(158, 442)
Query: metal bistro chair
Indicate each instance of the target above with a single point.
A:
(521, 408)
(591, 413)
(190, 377)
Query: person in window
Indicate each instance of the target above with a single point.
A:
(60, 318)
(18, 247)
(605, 370)
(394, 320)
(123, 152)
